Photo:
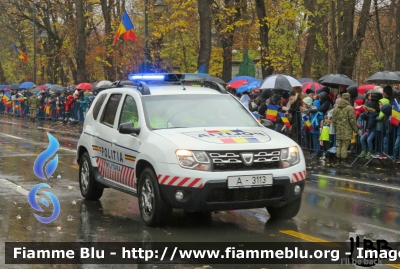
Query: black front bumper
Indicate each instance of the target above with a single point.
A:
(215, 196)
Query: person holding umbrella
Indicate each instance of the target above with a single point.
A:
(344, 121)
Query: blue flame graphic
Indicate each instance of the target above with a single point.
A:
(45, 156)
(32, 201)
(38, 167)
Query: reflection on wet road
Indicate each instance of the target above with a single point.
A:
(336, 205)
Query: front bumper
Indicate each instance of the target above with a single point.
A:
(215, 195)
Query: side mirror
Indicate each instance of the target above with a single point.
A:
(127, 128)
(267, 123)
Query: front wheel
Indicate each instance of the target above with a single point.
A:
(285, 212)
(153, 209)
(87, 183)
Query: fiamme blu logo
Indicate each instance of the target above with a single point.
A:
(44, 172)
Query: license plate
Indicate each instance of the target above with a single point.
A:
(249, 181)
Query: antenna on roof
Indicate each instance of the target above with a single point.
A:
(180, 82)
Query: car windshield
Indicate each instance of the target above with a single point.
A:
(186, 111)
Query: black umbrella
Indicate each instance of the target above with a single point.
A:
(56, 88)
(36, 90)
(384, 77)
(14, 87)
(215, 79)
(335, 80)
(324, 77)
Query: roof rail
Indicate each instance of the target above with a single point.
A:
(143, 88)
(216, 86)
(122, 83)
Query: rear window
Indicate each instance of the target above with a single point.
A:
(111, 108)
(97, 106)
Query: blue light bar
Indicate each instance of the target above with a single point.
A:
(147, 77)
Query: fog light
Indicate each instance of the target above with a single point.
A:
(297, 189)
(179, 195)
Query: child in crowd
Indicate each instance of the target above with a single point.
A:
(358, 107)
(388, 130)
(367, 138)
(324, 138)
(380, 129)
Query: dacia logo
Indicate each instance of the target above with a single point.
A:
(247, 158)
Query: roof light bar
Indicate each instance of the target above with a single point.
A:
(168, 77)
(147, 77)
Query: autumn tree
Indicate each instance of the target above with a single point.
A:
(205, 17)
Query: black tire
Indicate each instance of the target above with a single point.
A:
(87, 183)
(285, 212)
(154, 210)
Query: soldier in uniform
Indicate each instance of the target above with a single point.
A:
(344, 121)
(33, 106)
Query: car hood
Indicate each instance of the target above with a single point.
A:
(223, 139)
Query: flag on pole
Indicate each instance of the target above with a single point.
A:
(395, 119)
(125, 28)
(285, 119)
(307, 123)
(20, 54)
(272, 112)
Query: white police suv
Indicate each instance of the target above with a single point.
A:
(181, 141)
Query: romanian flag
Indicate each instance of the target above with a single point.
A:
(130, 158)
(272, 112)
(285, 119)
(20, 54)
(395, 119)
(307, 123)
(6, 98)
(96, 148)
(125, 28)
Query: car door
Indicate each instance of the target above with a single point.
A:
(129, 144)
(109, 158)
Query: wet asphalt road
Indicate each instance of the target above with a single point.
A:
(337, 204)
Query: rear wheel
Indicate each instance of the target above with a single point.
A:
(285, 212)
(87, 183)
(153, 209)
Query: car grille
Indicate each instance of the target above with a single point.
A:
(245, 194)
(232, 160)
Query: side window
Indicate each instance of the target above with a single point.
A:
(111, 109)
(97, 106)
(129, 112)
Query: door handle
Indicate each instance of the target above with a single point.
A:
(113, 142)
(96, 135)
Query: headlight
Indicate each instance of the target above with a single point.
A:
(290, 156)
(196, 160)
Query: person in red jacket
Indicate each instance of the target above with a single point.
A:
(68, 106)
(358, 107)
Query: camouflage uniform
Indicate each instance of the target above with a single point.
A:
(33, 105)
(344, 121)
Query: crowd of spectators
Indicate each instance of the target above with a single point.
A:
(376, 135)
(67, 106)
